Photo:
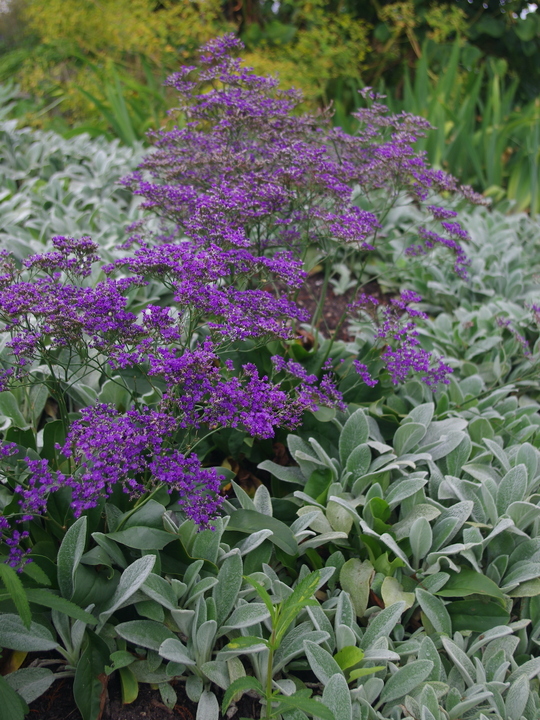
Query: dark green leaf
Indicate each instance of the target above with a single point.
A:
(13, 706)
(90, 683)
(55, 602)
(143, 538)
(16, 591)
(306, 705)
(242, 683)
(250, 521)
(477, 615)
(469, 582)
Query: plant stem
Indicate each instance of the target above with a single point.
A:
(269, 669)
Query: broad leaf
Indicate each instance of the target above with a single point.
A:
(477, 615)
(239, 685)
(470, 582)
(406, 679)
(16, 591)
(16, 636)
(145, 633)
(355, 432)
(131, 580)
(90, 682)
(69, 556)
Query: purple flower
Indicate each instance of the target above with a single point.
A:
(364, 373)
(17, 557)
(402, 353)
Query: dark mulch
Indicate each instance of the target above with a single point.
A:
(335, 305)
(58, 704)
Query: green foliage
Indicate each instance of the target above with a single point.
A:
(483, 134)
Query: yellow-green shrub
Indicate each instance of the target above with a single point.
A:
(77, 41)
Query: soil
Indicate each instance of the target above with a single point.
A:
(335, 305)
(58, 704)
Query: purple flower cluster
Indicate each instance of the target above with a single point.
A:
(17, 557)
(402, 353)
(248, 171)
(431, 239)
(524, 343)
(130, 450)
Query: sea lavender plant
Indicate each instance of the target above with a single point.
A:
(243, 190)
(248, 170)
(61, 319)
(395, 339)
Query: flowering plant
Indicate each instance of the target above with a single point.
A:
(244, 191)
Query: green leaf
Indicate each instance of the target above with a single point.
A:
(435, 611)
(228, 586)
(30, 682)
(9, 407)
(246, 616)
(300, 598)
(407, 436)
(16, 636)
(173, 649)
(349, 656)
(69, 556)
(392, 592)
(13, 706)
(143, 538)
(321, 662)
(318, 484)
(90, 682)
(406, 679)
(355, 432)
(512, 488)
(477, 615)
(337, 698)
(206, 545)
(363, 672)
(53, 433)
(313, 707)
(263, 594)
(145, 633)
(382, 625)
(111, 548)
(469, 582)
(208, 707)
(250, 521)
(129, 685)
(24, 438)
(404, 489)
(161, 591)
(16, 591)
(239, 685)
(421, 538)
(131, 580)
(32, 570)
(245, 642)
(517, 698)
(55, 602)
(355, 578)
(359, 461)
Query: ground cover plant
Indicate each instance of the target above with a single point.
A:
(387, 566)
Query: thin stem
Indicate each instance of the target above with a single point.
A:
(341, 320)
(269, 669)
(322, 298)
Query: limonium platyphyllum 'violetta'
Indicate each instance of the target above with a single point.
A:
(241, 192)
